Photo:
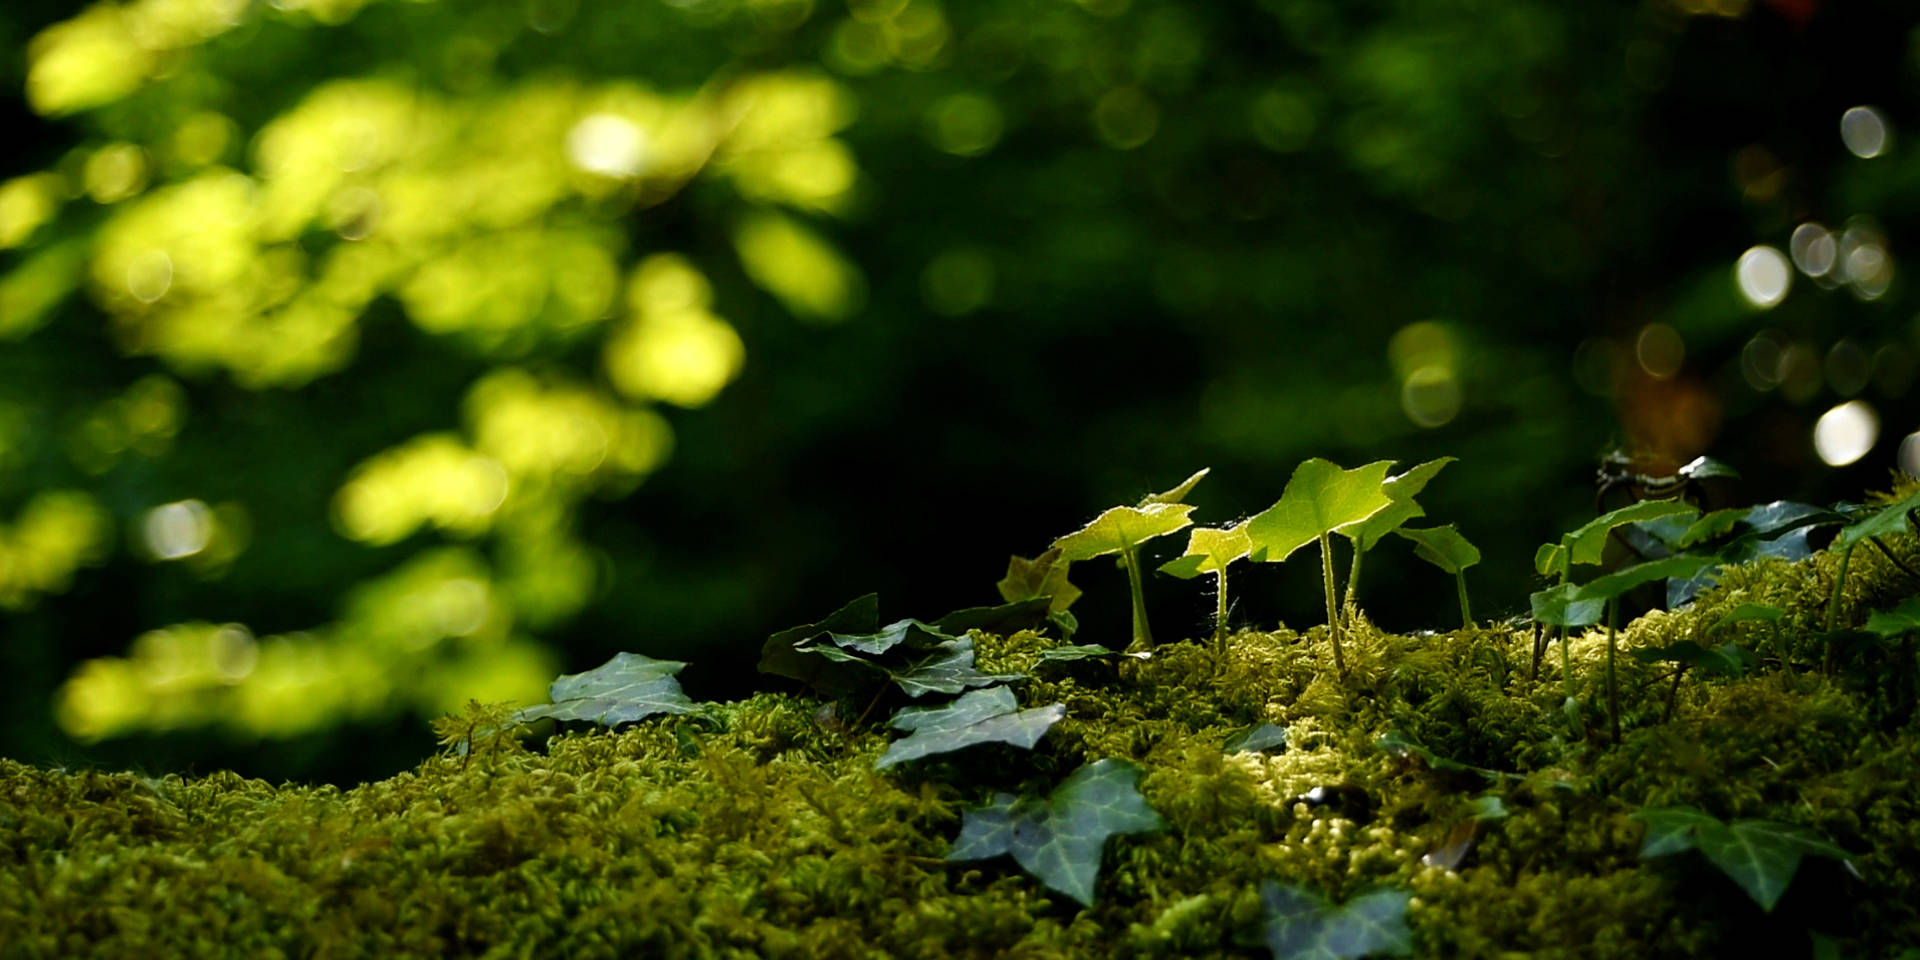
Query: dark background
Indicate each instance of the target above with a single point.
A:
(1543, 180)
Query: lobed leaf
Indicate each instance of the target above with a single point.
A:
(1043, 576)
(1586, 543)
(1320, 498)
(1059, 839)
(980, 716)
(1884, 521)
(1904, 618)
(1759, 855)
(1122, 528)
(1620, 581)
(1302, 925)
(950, 670)
(1179, 492)
(1556, 606)
(1670, 829)
(1443, 547)
(1210, 550)
(781, 657)
(626, 688)
(1401, 490)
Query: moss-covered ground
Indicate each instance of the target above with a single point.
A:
(762, 828)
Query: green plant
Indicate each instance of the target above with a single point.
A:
(1366, 534)
(1211, 550)
(1445, 548)
(1320, 499)
(1122, 530)
(1759, 855)
(1302, 925)
(1059, 839)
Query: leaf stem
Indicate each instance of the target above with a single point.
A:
(1142, 634)
(1839, 588)
(1220, 610)
(1333, 614)
(1466, 612)
(1353, 578)
(1613, 687)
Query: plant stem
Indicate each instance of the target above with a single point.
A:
(1220, 610)
(1566, 671)
(1673, 692)
(1333, 615)
(1466, 613)
(1142, 634)
(1839, 587)
(1353, 578)
(1613, 688)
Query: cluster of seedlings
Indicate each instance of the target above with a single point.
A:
(1328, 794)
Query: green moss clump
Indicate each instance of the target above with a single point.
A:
(761, 829)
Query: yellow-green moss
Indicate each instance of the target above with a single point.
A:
(762, 828)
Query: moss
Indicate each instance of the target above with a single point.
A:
(761, 829)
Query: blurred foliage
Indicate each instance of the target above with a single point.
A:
(360, 358)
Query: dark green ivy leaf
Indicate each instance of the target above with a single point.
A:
(779, 656)
(1759, 855)
(1005, 619)
(1302, 925)
(1884, 521)
(626, 688)
(980, 716)
(1059, 839)
(949, 670)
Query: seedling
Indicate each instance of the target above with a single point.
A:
(1445, 548)
(1320, 500)
(1610, 587)
(1400, 490)
(1121, 530)
(1210, 550)
(1043, 577)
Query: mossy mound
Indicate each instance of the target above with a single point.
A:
(761, 828)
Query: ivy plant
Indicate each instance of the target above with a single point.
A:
(991, 715)
(1302, 925)
(626, 688)
(1122, 530)
(1445, 548)
(1320, 499)
(1607, 589)
(1210, 550)
(1401, 508)
(1759, 855)
(1059, 839)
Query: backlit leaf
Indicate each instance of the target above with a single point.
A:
(1302, 925)
(979, 716)
(1443, 547)
(1320, 498)
(1904, 618)
(1589, 541)
(1711, 526)
(626, 688)
(1179, 492)
(1557, 607)
(1401, 490)
(1059, 839)
(1748, 612)
(1043, 576)
(1209, 550)
(1881, 522)
(1620, 581)
(1121, 528)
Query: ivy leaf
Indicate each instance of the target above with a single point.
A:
(1396, 744)
(1122, 528)
(1059, 839)
(1883, 522)
(1728, 658)
(1259, 739)
(1443, 547)
(1302, 925)
(1209, 550)
(1043, 576)
(1556, 607)
(1586, 543)
(1748, 612)
(1179, 492)
(626, 688)
(914, 633)
(950, 670)
(781, 657)
(1005, 619)
(1904, 618)
(1670, 829)
(980, 716)
(1712, 526)
(1400, 490)
(1320, 498)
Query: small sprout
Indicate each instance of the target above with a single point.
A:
(1445, 548)
(1759, 855)
(1302, 925)
(1320, 499)
(1121, 530)
(1060, 838)
(626, 688)
(1210, 550)
(979, 716)
(1610, 587)
(1885, 521)
(1400, 489)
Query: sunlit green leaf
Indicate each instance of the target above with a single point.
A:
(1489, 807)
(1121, 528)
(1884, 521)
(1060, 839)
(626, 688)
(1043, 576)
(1209, 550)
(979, 716)
(1712, 526)
(1557, 606)
(1320, 498)
(1401, 490)
(1620, 581)
(1589, 541)
(1443, 547)
(1178, 494)
(1904, 618)
(1302, 925)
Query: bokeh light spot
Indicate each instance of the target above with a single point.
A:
(1430, 396)
(175, 531)
(1864, 131)
(1659, 350)
(1763, 276)
(149, 275)
(958, 281)
(964, 124)
(1845, 433)
(607, 144)
(1125, 118)
(1760, 361)
(1909, 457)
(1814, 249)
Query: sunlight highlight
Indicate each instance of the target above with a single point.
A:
(1763, 276)
(1846, 433)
